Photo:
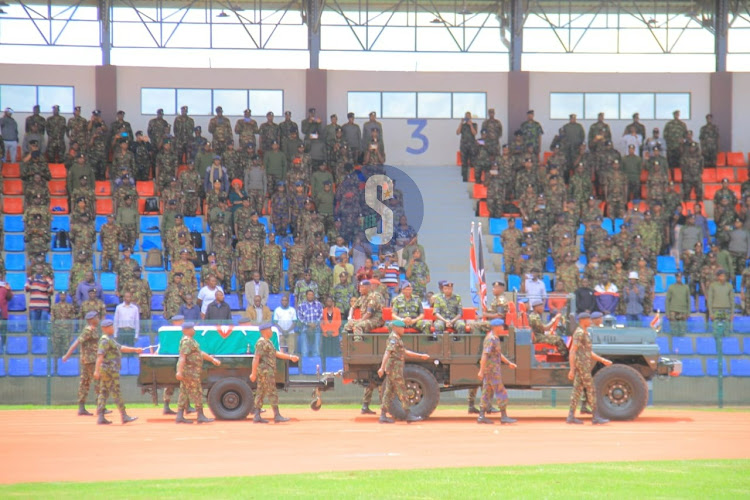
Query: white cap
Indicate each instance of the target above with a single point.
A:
(633, 275)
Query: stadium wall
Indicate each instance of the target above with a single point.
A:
(740, 116)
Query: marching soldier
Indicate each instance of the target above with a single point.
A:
(490, 373)
(88, 343)
(264, 374)
(580, 370)
(189, 367)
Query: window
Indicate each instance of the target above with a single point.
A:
(619, 106)
(198, 101)
(263, 101)
(418, 104)
(234, 102)
(23, 98)
(153, 99)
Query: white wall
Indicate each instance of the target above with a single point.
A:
(740, 116)
(131, 79)
(541, 84)
(441, 133)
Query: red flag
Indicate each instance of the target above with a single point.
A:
(482, 281)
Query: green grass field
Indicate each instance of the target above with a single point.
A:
(704, 479)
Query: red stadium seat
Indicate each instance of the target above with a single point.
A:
(483, 210)
(58, 188)
(11, 170)
(736, 159)
(725, 172)
(58, 171)
(145, 188)
(104, 206)
(644, 175)
(677, 175)
(709, 190)
(13, 205)
(458, 158)
(103, 188)
(480, 191)
(721, 160)
(13, 186)
(709, 175)
(59, 206)
(736, 189)
(642, 206)
(742, 175)
(547, 154)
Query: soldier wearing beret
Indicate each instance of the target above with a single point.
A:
(491, 376)
(581, 356)
(87, 340)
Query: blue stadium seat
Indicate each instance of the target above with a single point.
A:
(711, 227)
(659, 284)
(740, 367)
(60, 223)
(16, 280)
(149, 224)
(38, 344)
(712, 367)
(696, 325)
(13, 224)
(110, 301)
(742, 325)
(157, 321)
(98, 242)
(617, 225)
(15, 262)
(68, 368)
(663, 343)
(100, 221)
(334, 364)
(17, 344)
(62, 280)
(497, 226)
(14, 243)
(705, 346)
(682, 345)
(149, 242)
(737, 283)
(692, 367)
(583, 260)
(514, 283)
(107, 280)
(194, 223)
(547, 282)
(293, 370)
(17, 323)
(666, 264)
(232, 301)
(669, 280)
(607, 225)
(264, 221)
(274, 301)
(39, 367)
(157, 281)
(660, 303)
(285, 264)
(17, 303)
(2, 367)
(134, 366)
(157, 302)
(124, 367)
(143, 341)
(730, 346)
(581, 229)
(233, 282)
(62, 261)
(309, 364)
(497, 245)
(18, 367)
(549, 265)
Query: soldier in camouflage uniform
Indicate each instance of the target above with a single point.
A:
(646, 279)
(721, 206)
(158, 129)
(321, 274)
(616, 191)
(81, 266)
(490, 373)
(77, 127)
(107, 371)
(343, 292)
(122, 159)
(127, 219)
(166, 165)
(370, 304)
(92, 304)
(141, 293)
(87, 340)
(62, 316)
(232, 161)
(709, 137)
(496, 192)
(172, 196)
(599, 133)
(296, 254)
(183, 129)
(271, 264)
(448, 310)
(264, 374)
(189, 367)
(407, 307)
(692, 172)
(580, 187)
(248, 253)
(581, 356)
(217, 270)
(185, 266)
(531, 132)
(83, 234)
(56, 132)
(96, 144)
(268, 133)
(246, 129)
(220, 129)
(281, 210)
(467, 129)
(125, 269)
(35, 187)
(675, 132)
(494, 132)
(191, 185)
(541, 331)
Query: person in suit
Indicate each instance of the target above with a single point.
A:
(257, 287)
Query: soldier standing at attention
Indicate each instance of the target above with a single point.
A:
(392, 365)
(678, 306)
(62, 315)
(580, 370)
(77, 127)
(575, 136)
(264, 373)
(189, 368)
(532, 132)
(158, 130)
(56, 132)
(220, 129)
(490, 373)
(720, 302)
(675, 132)
(183, 134)
(88, 342)
(494, 132)
(709, 138)
(246, 128)
(468, 132)
(107, 372)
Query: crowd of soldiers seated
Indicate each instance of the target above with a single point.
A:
(307, 182)
(584, 180)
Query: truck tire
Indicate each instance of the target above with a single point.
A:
(621, 392)
(230, 399)
(423, 391)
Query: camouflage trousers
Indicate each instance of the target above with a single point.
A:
(128, 236)
(190, 204)
(190, 392)
(738, 259)
(168, 393)
(709, 156)
(583, 381)
(616, 207)
(109, 260)
(673, 157)
(257, 200)
(459, 326)
(274, 280)
(677, 323)
(56, 150)
(467, 159)
(109, 385)
(265, 389)
(219, 146)
(554, 340)
(422, 325)
(722, 322)
(60, 342)
(87, 375)
(369, 390)
(689, 185)
(493, 389)
(513, 263)
(360, 326)
(648, 301)
(395, 386)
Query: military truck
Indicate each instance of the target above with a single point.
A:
(621, 389)
(230, 392)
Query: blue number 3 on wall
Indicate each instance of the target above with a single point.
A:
(421, 123)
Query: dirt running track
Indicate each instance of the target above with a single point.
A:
(57, 445)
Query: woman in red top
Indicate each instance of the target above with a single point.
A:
(365, 272)
(330, 326)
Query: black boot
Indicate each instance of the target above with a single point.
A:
(107, 412)
(190, 409)
(167, 409)
(412, 418)
(384, 419)
(484, 420)
(473, 410)
(572, 418)
(277, 416)
(492, 410)
(585, 410)
(597, 420)
(202, 419)
(127, 418)
(102, 421)
(82, 410)
(181, 418)
(505, 419)
(257, 419)
(366, 410)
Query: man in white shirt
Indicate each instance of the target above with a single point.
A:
(207, 294)
(533, 287)
(285, 317)
(127, 321)
(338, 249)
(256, 287)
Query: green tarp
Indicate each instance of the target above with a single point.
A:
(240, 340)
